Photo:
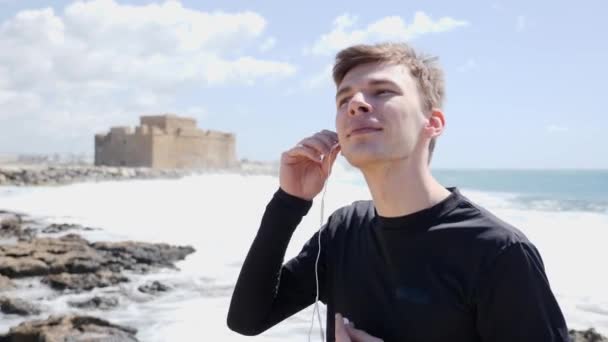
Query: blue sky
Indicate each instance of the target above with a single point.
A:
(525, 80)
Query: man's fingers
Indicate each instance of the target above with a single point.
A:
(305, 151)
(319, 148)
(329, 133)
(357, 335)
(322, 141)
(328, 137)
(320, 145)
(340, 330)
(348, 333)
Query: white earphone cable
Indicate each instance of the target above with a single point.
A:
(316, 309)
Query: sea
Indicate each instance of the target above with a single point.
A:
(563, 212)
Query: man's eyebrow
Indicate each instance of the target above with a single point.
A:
(383, 82)
(375, 82)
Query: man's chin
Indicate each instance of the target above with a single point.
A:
(361, 159)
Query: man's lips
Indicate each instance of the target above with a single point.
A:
(363, 130)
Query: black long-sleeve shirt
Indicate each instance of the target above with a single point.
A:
(451, 272)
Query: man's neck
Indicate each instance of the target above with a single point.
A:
(400, 188)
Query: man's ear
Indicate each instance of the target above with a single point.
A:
(435, 123)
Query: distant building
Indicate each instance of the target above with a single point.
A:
(165, 141)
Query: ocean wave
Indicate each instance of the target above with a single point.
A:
(548, 204)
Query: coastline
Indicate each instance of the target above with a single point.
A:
(62, 174)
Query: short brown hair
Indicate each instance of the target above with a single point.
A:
(425, 69)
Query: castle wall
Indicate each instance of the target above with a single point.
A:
(123, 150)
(165, 141)
(193, 150)
(221, 148)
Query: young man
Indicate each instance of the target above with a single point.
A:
(420, 262)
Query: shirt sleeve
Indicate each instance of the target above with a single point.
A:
(267, 291)
(515, 301)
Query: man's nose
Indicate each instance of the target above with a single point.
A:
(358, 105)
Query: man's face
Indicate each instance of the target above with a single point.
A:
(379, 114)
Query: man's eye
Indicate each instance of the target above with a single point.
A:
(383, 91)
(343, 102)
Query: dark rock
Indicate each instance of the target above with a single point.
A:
(86, 281)
(102, 303)
(27, 234)
(63, 227)
(18, 307)
(153, 287)
(15, 225)
(10, 224)
(22, 267)
(73, 254)
(43, 256)
(589, 335)
(8, 217)
(153, 254)
(69, 328)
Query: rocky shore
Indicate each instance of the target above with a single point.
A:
(60, 175)
(57, 257)
(48, 175)
(589, 335)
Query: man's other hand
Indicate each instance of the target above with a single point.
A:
(348, 333)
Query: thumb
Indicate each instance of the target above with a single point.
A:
(340, 330)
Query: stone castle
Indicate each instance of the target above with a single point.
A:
(165, 141)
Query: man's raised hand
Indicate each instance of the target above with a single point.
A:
(305, 167)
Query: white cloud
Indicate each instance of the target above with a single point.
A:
(322, 78)
(390, 28)
(344, 21)
(268, 44)
(244, 70)
(553, 128)
(520, 25)
(469, 65)
(97, 63)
